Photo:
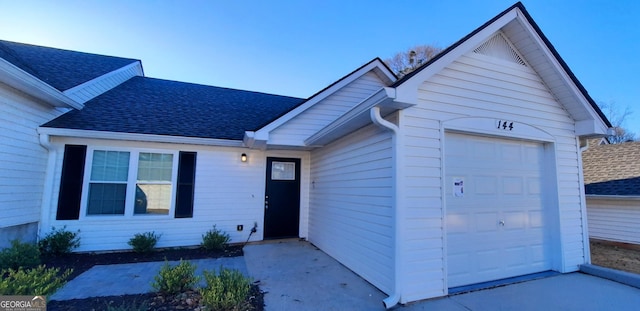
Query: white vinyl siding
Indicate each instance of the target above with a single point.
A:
(351, 214)
(22, 159)
(614, 219)
(484, 87)
(228, 193)
(318, 116)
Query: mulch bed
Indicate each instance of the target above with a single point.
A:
(616, 255)
(152, 301)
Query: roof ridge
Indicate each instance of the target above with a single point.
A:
(219, 87)
(67, 50)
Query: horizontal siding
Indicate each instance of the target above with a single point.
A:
(227, 193)
(88, 90)
(614, 220)
(321, 114)
(351, 201)
(477, 86)
(22, 159)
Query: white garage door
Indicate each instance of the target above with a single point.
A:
(495, 216)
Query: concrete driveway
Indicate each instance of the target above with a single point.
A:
(297, 276)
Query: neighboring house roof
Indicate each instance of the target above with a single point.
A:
(612, 169)
(161, 107)
(543, 66)
(62, 69)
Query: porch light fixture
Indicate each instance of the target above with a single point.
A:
(243, 157)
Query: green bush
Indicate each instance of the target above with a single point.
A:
(173, 280)
(144, 242)
(20, 254)
(36, 281)
(226, 290)
(60, 241)
(215, 239)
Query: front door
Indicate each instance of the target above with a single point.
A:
(282, 198)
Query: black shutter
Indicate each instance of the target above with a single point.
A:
(186, 184)
(71, 182)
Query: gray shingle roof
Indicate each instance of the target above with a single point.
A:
(162, 107)
(62, 69)
(612, 169)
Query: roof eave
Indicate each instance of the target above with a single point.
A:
(75, 133)
(27, 83)
(613, 197)
(357, 117)
(260, 137)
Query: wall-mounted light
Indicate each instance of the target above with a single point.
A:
(243, 157)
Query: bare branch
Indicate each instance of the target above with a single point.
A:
(405, 62)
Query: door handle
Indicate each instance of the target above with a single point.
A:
(501, 222)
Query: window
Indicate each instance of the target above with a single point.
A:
(130, 183)
(108, 183)
(154, 187)
(283, 170)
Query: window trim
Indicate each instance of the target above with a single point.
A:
(132, 180)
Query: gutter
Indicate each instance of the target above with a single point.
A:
(613, 197)
(395, 296)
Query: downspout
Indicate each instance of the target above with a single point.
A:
(585, 222)
(48, 180)
(394, 298)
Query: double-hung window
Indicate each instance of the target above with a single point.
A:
(108, 183)
(154, 186)
(131, 183)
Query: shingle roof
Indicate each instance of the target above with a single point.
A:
(162, 107)
(612, 169)
(62, 69)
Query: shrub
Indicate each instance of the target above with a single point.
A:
(144, 242)
(36, 281)
(227, 290)
(20, 254)
(215, 239)
(173, 280)
(60, 241)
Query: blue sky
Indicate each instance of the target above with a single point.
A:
(296, 48)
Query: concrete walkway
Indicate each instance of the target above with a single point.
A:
(132, 278)
(297, 276)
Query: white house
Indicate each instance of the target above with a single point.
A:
(36, 87)
(466, 170)
(612, 188)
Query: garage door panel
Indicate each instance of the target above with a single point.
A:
(487, 221)
(485, 185)
(458, 223)
(536, 219)
(497, 223)
(533, 186)
(512, 185)
(516, 220)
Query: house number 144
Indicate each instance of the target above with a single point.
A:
(505, 125)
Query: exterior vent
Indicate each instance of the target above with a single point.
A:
(498, 46)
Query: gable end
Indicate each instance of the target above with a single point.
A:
(499, 47)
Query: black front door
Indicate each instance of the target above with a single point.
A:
(282, 198)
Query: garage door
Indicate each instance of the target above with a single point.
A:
(495, 215)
